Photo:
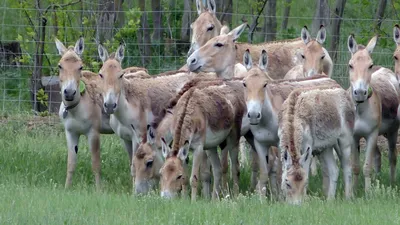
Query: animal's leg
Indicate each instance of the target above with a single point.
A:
(355, 159)
(254, 160)
(273, 157)
(313, 166)
(216, 168)
(369, 156)
(72, 142)
(225, 167)
(94, 145)
(235, 167)
(195, 171)
(243, 152)
(262, 152)
(392, 139)
(333, 171)
(345, 145)
(378, 160)
(128, 148)
(205, 174)
(325, 175)
(133, 170)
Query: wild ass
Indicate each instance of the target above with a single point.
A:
(81, 108)
(134, 103)
(316, 59)
(312, 120)
(396, 57)
(264, 100)
(205, 118)
(375, 91)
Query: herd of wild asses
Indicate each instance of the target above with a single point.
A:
(278, 96)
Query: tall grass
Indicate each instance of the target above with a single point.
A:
(32, 176)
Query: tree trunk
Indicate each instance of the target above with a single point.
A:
(120, 14)
(226, 11)
(335, 30)
(185, 30)
(105, 22)
(379, 14)
(286, 13)
(144, 35)
(270, 21)
(254, 23)
(157, 20)
(36, 83)
(321, 16)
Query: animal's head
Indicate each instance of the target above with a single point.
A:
(205, 27)
(111, 74)
(295, 176)
(360, 68)
(147, 162)
(313, 54)
(70, 67)
(217, 54)
(255, 84)
(173, 176)
(396, 55)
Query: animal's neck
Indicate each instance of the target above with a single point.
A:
(228, 73)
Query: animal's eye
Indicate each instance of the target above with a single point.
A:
(265, 85)
(244, 84)
(101, 75)
(121, 75)
(210, 28)
(179, 177)
(81, 68)
(302, 56)
(323, 57)
(219, 45)
(395, 58)
(350, 66)
(288, 186)
(149, 163)
(59, 66)
(370, 67)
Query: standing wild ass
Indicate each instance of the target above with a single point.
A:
(312, 120)
(396, 57)
(316, 59)
(81, 108)
(375, 91)
(134, 103)
(205, 118)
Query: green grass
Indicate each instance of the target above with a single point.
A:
(32, 176)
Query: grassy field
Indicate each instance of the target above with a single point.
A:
(32, 175)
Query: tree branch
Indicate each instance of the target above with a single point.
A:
(255, 23)
(54, 6)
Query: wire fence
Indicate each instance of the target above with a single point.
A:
(27, 30)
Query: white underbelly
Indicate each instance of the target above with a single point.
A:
(213, 139)
(264, 135)
(123, 131)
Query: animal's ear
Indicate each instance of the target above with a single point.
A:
(371, 44)
(396, 34)
(150, 134)
(224, 30)
(200, 6)
(352, 44)
(247, 60)
(305, 159)
(60, 47)
(119, 54)
(237, 31)
(211, 6)
(321, 35)
(305, 35)
(164, 148)
(79, 46)
(184, 151)
(102, 53)
(263, 62)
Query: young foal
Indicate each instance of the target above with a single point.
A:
(311, 120)
(80, 110)
(316, 59)
(375, 91)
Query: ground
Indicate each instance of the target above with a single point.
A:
(32, 176)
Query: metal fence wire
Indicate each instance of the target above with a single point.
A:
(157, 36)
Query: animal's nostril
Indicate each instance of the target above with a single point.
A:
(115, 105)
(193, 61)
(74, 92)
(248, 115)
(258, 115)
(355, 92)
(65, 91)
(105, 105)
(365, 92)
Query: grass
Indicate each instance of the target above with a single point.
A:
(32, 176)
